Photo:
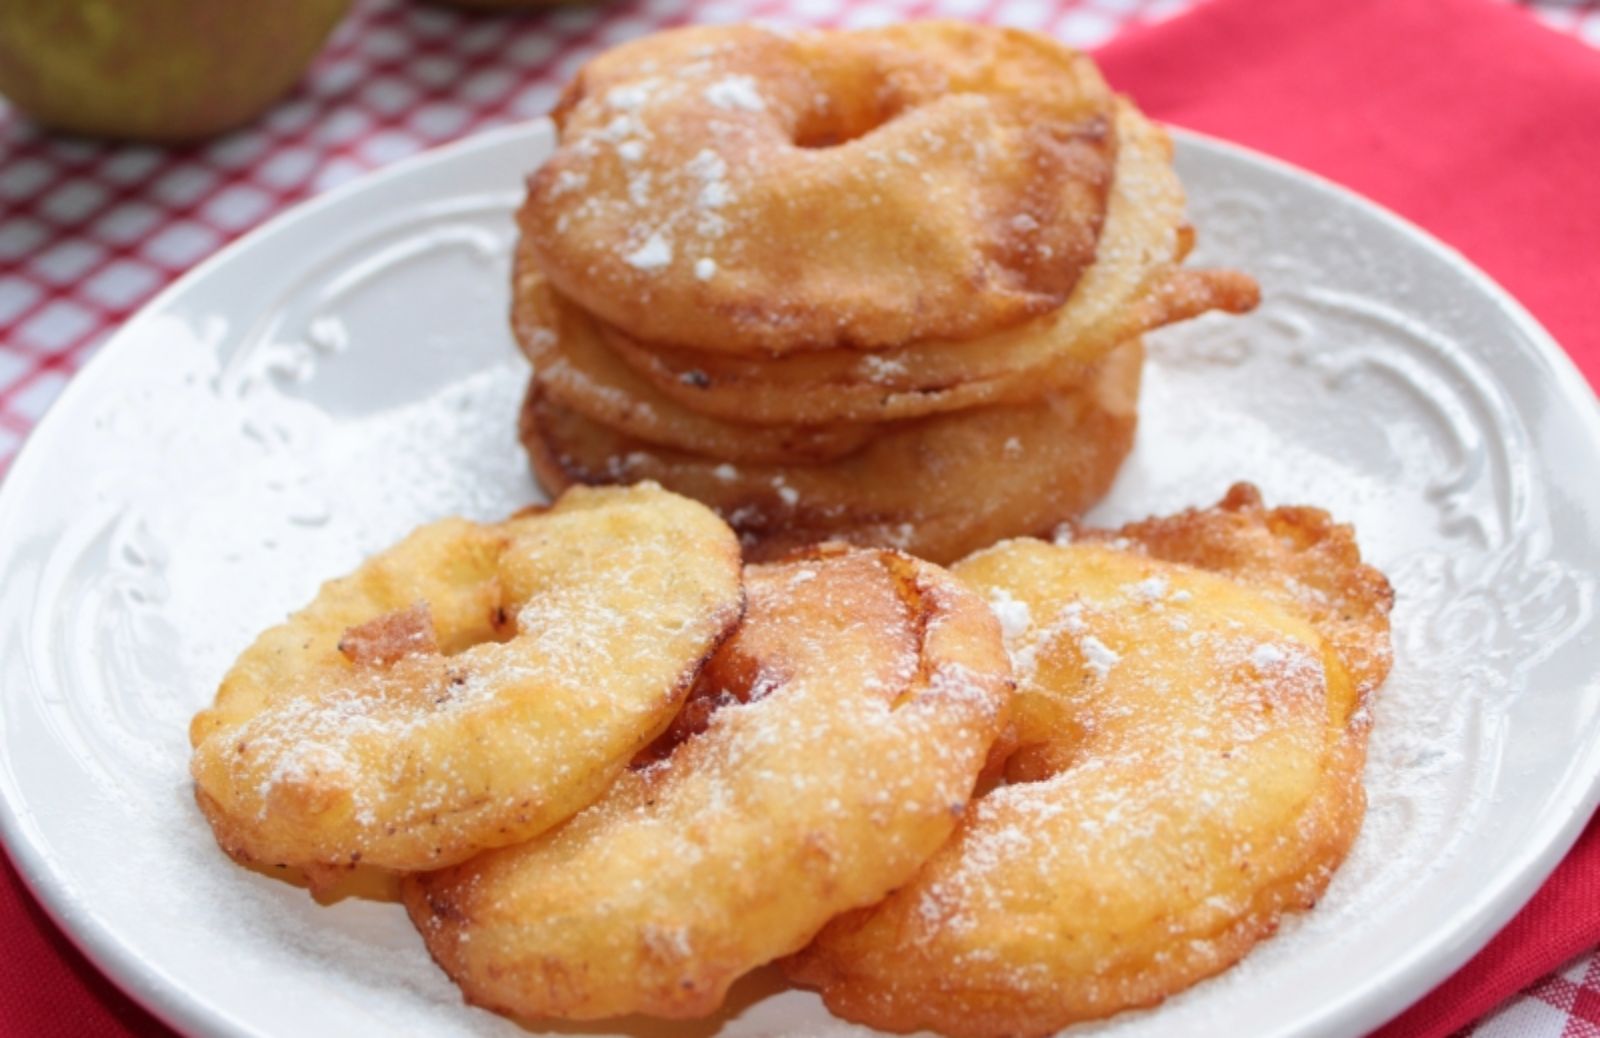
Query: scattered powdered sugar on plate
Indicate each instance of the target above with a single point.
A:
(359, 486)
(256, 544)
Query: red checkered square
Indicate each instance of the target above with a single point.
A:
(180, 245)
(129, 165)
(24, 177)
(13, 365)
(127, 222)
(65, 262)
(32, 397)
(1566, 1004)
(16, 296)
(72, 200)
(55, 326)
(90, 231)
(122, 283)
(1584, 1011)
(237, 206)
(182, 185)
(20, 237)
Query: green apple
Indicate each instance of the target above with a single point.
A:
(156, 69)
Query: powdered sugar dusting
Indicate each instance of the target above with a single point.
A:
(653, 255)
(846, 735)
(1207, 741)
(594, 645)
(736, 93)
(880, 368)
(1098, 656)
(1013, 614)
(1151, 589)
(630, 97)
(711, 171)
(619, 183)
(1267, 655)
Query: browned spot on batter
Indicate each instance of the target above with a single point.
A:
(391, 637)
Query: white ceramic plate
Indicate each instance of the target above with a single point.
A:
(345, 373)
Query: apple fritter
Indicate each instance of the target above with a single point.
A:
(1191, 736)
(857, 704)
(937, 487)
(467, 688)
(739, 189)
(1135, 285)
(575, 368)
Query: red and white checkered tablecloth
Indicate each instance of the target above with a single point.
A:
(90, 231)
(1566, 1004)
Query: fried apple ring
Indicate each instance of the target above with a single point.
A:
(1135, 285)
(578, 371)
(1189, 769)
(937, 487)
(467, 688)
(733, 188)
(1295, 555)
(863, 691)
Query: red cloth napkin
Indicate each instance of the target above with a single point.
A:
(1479, 124)
(49, 989)
(1465, 116)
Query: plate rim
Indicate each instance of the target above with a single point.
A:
(1416, 972)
